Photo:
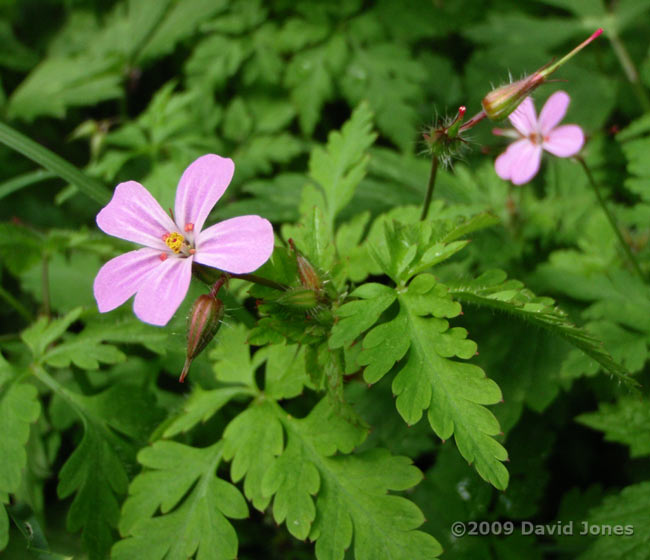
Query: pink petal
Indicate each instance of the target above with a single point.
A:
(238, 245)
(201, 185)
(564, 141)
(524, 118)
(133, 214)
(553, 111)
(120, 277)
(520, 162)
(163, 290)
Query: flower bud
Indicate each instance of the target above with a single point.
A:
(202, 326)
(308, 276)
(445, 141)
(298, 298)
(502, 101)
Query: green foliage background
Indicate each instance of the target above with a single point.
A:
(345, 432)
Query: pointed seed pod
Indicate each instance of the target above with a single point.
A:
(202, 326)
(502, 101)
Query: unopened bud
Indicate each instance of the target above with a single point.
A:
(308, 276)
(445, 141)
(299, 298)
(202, 326)
(502, 101)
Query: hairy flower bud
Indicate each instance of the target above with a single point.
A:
(298, 298)
(444, 141)
(202, 326)
(308, 276)
(502, 101)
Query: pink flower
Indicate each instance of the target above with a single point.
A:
(520, 162)
(159, 274)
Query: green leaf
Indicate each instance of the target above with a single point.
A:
(4, 527)
(637, 165)
(76, 269)
(309, 75)
(19, 407)
(491, 289)
(285, 370)
(252, 440)
(96, 474)
(89, 348)
(43, 332)
(14, 54)
(355, 317)
(58, 83)
(237, 121)
(404, 250)
(351, 491)
(262, 151)
(626, 514)
(179, 22)
(313, 236)
(627, 422)
(386, 75)
(194, 506)
(231, 356)
(338, 168)
(20, 247)
(199, 407)
(420, 343)
(276, 199)
(114, 422)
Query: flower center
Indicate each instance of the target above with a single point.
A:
(536, 138)
(174, 241)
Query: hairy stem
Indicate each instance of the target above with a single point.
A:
(430, 185)
(611, 219)
(473, 121)
(630, 70)
(261, 281)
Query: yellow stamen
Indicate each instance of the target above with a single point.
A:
(174, 241)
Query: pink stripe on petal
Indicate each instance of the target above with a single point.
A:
(526, 163)
(163, 290)
(553, 111)
(503, 165)
(201, 185)
(524, 118)
(565, 141)
(238, 245)
(133, 214)
(520, 162)
(120, 277)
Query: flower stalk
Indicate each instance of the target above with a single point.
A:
(430, 186)
(610, 217)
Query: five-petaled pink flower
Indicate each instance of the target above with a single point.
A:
(159, 274)
(520, 162)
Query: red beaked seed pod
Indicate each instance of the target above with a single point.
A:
(502, 101)
(202, 326)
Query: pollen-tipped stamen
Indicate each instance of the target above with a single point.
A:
(174, 241)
